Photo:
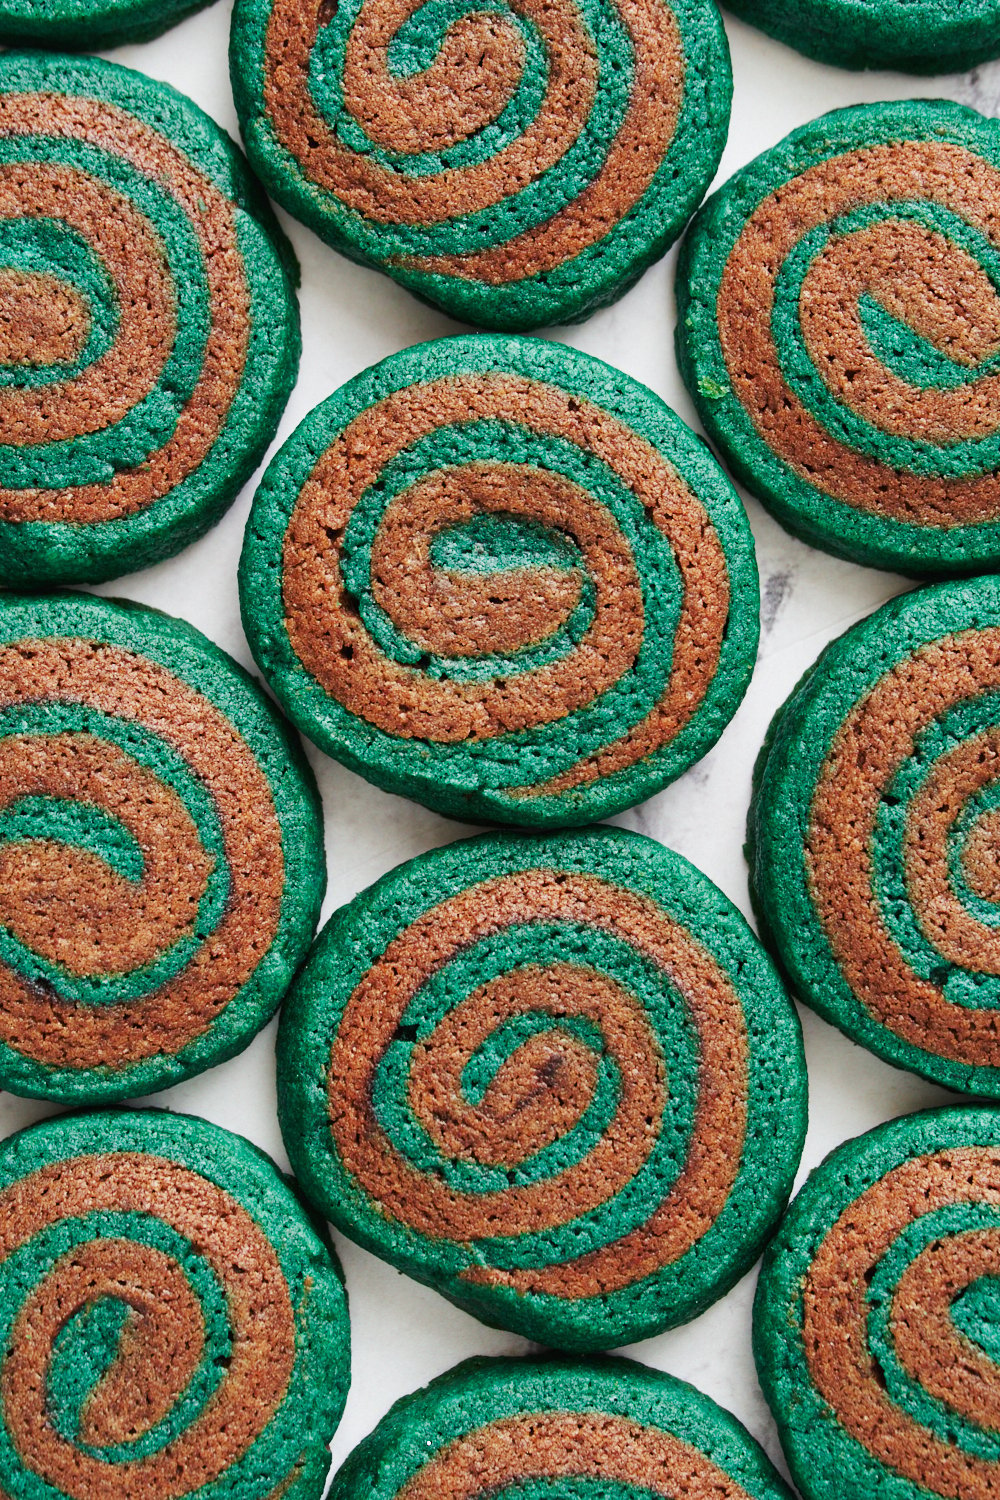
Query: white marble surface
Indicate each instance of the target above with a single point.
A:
(405, 1334)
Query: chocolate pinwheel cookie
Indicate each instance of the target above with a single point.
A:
(876, 1314)
(839, 329)
(173, 1325)
(90, 23)
(918, 36)
(504, 579)
(516, 1426)
(149, 332)
(555, 1078)
(875, 834)
(161, 851)
(516, 166)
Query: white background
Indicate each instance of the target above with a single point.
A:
(403, 1334)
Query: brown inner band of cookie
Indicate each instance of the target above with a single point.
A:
(43, 320)
(562, 1445)
(428, 1205)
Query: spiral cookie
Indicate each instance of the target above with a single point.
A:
(161, 851)
(516, 164)
(499, 577)
(173, 1325)
(557, 1079)
(839, 329)
(918, 36)
(90, 23)
(875, 835)
(148, 327)
(875, 1325)
(515, 1427)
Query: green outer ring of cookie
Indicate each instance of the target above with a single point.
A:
(481, 1391)
(184, 651)
(358, 934)
(854, 34)
(91, 23)
(825, 522)
(369, 751)
(827, 1463)
(785, 777)
(570, 292)
(34, 553)
(310, 1265)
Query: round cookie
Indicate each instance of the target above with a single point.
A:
(839, 329)
(555, 1078)
(498, 576)
(90, 23)
(515, 165)
(161, 851)
(149, 332)
(874, 834)
(875, 1324)
(916, 36)
(173, 1323)
(514, 1427)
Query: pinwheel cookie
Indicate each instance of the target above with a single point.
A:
(173, 1325)
(875, 1325)
(839, 330)
(516, 165)
(161, 853)
(555, 1078)
(148, 327)
(502, 578)
(875, 834)
(90, 23)
(515, 1426)
(918, 36)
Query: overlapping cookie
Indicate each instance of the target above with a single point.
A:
(516, 165)
(839, 330)
(149, 332)
(172, 1323)
(161, 851)
(555, 1078)
(504, 579)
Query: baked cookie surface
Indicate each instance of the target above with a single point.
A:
(917, 36)
(875, 1318)
(874, 834)
(498, 576)
(90, 23)
(555, 1078)
(839, 330)
(173, 1323)
(149, 332)
(515, 166)
(161, 851)
(610, 1427)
